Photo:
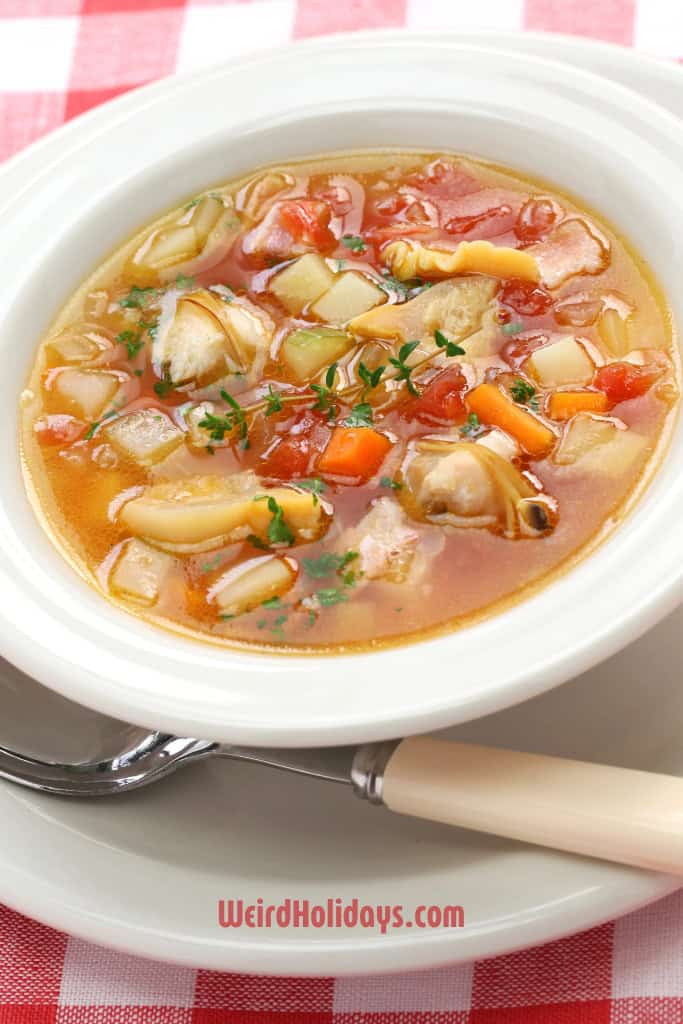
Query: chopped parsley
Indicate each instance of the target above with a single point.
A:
(163, 387)
(514, 327)
(328, 564)
(212, 564)
(524, 394)
(472, 427)
(133, 341)
(331, 596)
(256, 542)
(450, 347)
(394, 485)
(405, 371)
(353, 242)
(278, 530)
(184, 282)
(360, 416)
(138, 298)
(272, 602)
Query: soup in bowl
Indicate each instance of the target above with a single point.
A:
(405, 602)
(349, 402)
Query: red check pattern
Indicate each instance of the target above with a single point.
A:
(57, 59)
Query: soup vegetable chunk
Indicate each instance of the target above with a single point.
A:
(349, 402)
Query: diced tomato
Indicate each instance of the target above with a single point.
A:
(441, 400)
(58, 429)
(462, 225)
(623, 381)
(535, 220)
(294, 453)
(389, 232)
(307, 220)
(525, 297)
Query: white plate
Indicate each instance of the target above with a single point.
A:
(144, 872)
(620, 152)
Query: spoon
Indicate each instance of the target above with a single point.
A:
(618, 814)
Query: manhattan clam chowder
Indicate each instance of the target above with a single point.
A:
(348, 402)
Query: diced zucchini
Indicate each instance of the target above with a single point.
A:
(562, 362)
(613, 333)
(309, 349)
(147, 436)
(86, 391)
(140, 572)
(302, 282)
(599, 446)
(350, 295)
(249, 584)
(201, 512)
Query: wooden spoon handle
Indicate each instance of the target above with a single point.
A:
(622, 815)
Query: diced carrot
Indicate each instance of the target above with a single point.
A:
(354, 452)
(565, 404)
(495, 408)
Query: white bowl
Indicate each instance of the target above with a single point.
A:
(120, 166)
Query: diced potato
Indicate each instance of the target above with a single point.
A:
(562, 362)
(87, 392)
(599, 445)
(72, 347)
(308, 350)
(302, 282)
(407, 259)
(249, 584)
(140, 572)
(614, 333)
(194, 345)
(201, 512)
(501, 443)
(147, 436)
(350, 295)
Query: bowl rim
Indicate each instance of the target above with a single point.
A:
(70, 670)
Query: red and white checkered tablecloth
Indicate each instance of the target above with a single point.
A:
(57, 59)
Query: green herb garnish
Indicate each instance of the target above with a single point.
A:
(137, 298)
(184, 282)
(272, 602)
(524, 394)
(394, 485)
(514, 327)
(330, 596)
(327, 564)
(404, 371)
(360, 416)
(370, 378)
(472, 427)
(314, 485)
(132, 340)
(353, 242)
(278, 530)
(219, 426)
(163, 387)
(326, 397)
(450, 347)
(273, 401)
(93, 426)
